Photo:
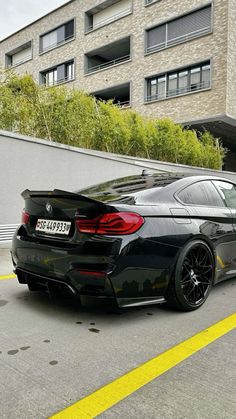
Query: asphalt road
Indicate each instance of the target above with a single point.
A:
(53, 353)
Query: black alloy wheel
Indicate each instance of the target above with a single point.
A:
(194, 275)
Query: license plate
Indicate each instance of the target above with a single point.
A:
(53, 226)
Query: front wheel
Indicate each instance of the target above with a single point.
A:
(193, 277)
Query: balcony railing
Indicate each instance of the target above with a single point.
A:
(110, 19)
(181, 91)
(57, 82)
(124, 104)
(179, 39)
(108, 64)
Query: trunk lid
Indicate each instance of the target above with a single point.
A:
(57, 206)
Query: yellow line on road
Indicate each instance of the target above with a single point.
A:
(2, 278)
(107, 396)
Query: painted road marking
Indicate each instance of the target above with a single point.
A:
(107, 396)
(2, 278)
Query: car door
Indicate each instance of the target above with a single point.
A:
(214, 220)
(227, 190)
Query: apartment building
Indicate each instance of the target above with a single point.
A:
(174, 58)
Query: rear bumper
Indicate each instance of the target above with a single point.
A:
(83, 287)
(129, 271)
(94, 293)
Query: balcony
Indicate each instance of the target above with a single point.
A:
(108, 56)
(120, 95)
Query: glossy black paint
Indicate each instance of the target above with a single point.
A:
(133, 269)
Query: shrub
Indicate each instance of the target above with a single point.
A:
(73, 117)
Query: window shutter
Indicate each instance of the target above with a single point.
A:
(21, 56)
(198, 22)
(61, 73)
(156, 38)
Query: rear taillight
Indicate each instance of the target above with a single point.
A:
(25, 217)
(114, 223)
(96, 274)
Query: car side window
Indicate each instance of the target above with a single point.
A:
(228, 192)
(201, 193)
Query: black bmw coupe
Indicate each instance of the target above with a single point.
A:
(136, 240)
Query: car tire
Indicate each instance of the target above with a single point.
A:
(193, 277)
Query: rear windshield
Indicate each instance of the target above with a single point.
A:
(122, 188)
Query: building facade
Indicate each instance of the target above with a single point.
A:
(174, 58)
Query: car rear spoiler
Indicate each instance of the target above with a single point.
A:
(26, 194)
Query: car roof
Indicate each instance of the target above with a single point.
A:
(135, 183)
(144, 186)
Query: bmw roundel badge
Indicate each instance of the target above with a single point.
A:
(48, 207)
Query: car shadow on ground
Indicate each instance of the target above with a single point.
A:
(69, 308)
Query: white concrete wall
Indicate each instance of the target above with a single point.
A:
(39, 164)
(28, 163)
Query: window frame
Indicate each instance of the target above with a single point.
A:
(57, 45)
(9, 55)
(176, 196)
(89, 13)
(166, 22)
(148, 99)
(43, 75)
(214, 181)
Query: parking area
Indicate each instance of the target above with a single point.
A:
(54, 353)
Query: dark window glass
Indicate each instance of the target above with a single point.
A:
(201, 193)
(69, 29)
(60, 73)
(228, 192)
(180, 82)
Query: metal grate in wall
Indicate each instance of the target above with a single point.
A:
(7, 231)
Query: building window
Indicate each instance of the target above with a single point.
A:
(58, 74)
(179, 30)
(180, 82)
(57, 37)
(106, 12)
(19, 55)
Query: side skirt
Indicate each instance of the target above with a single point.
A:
(134, 302)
